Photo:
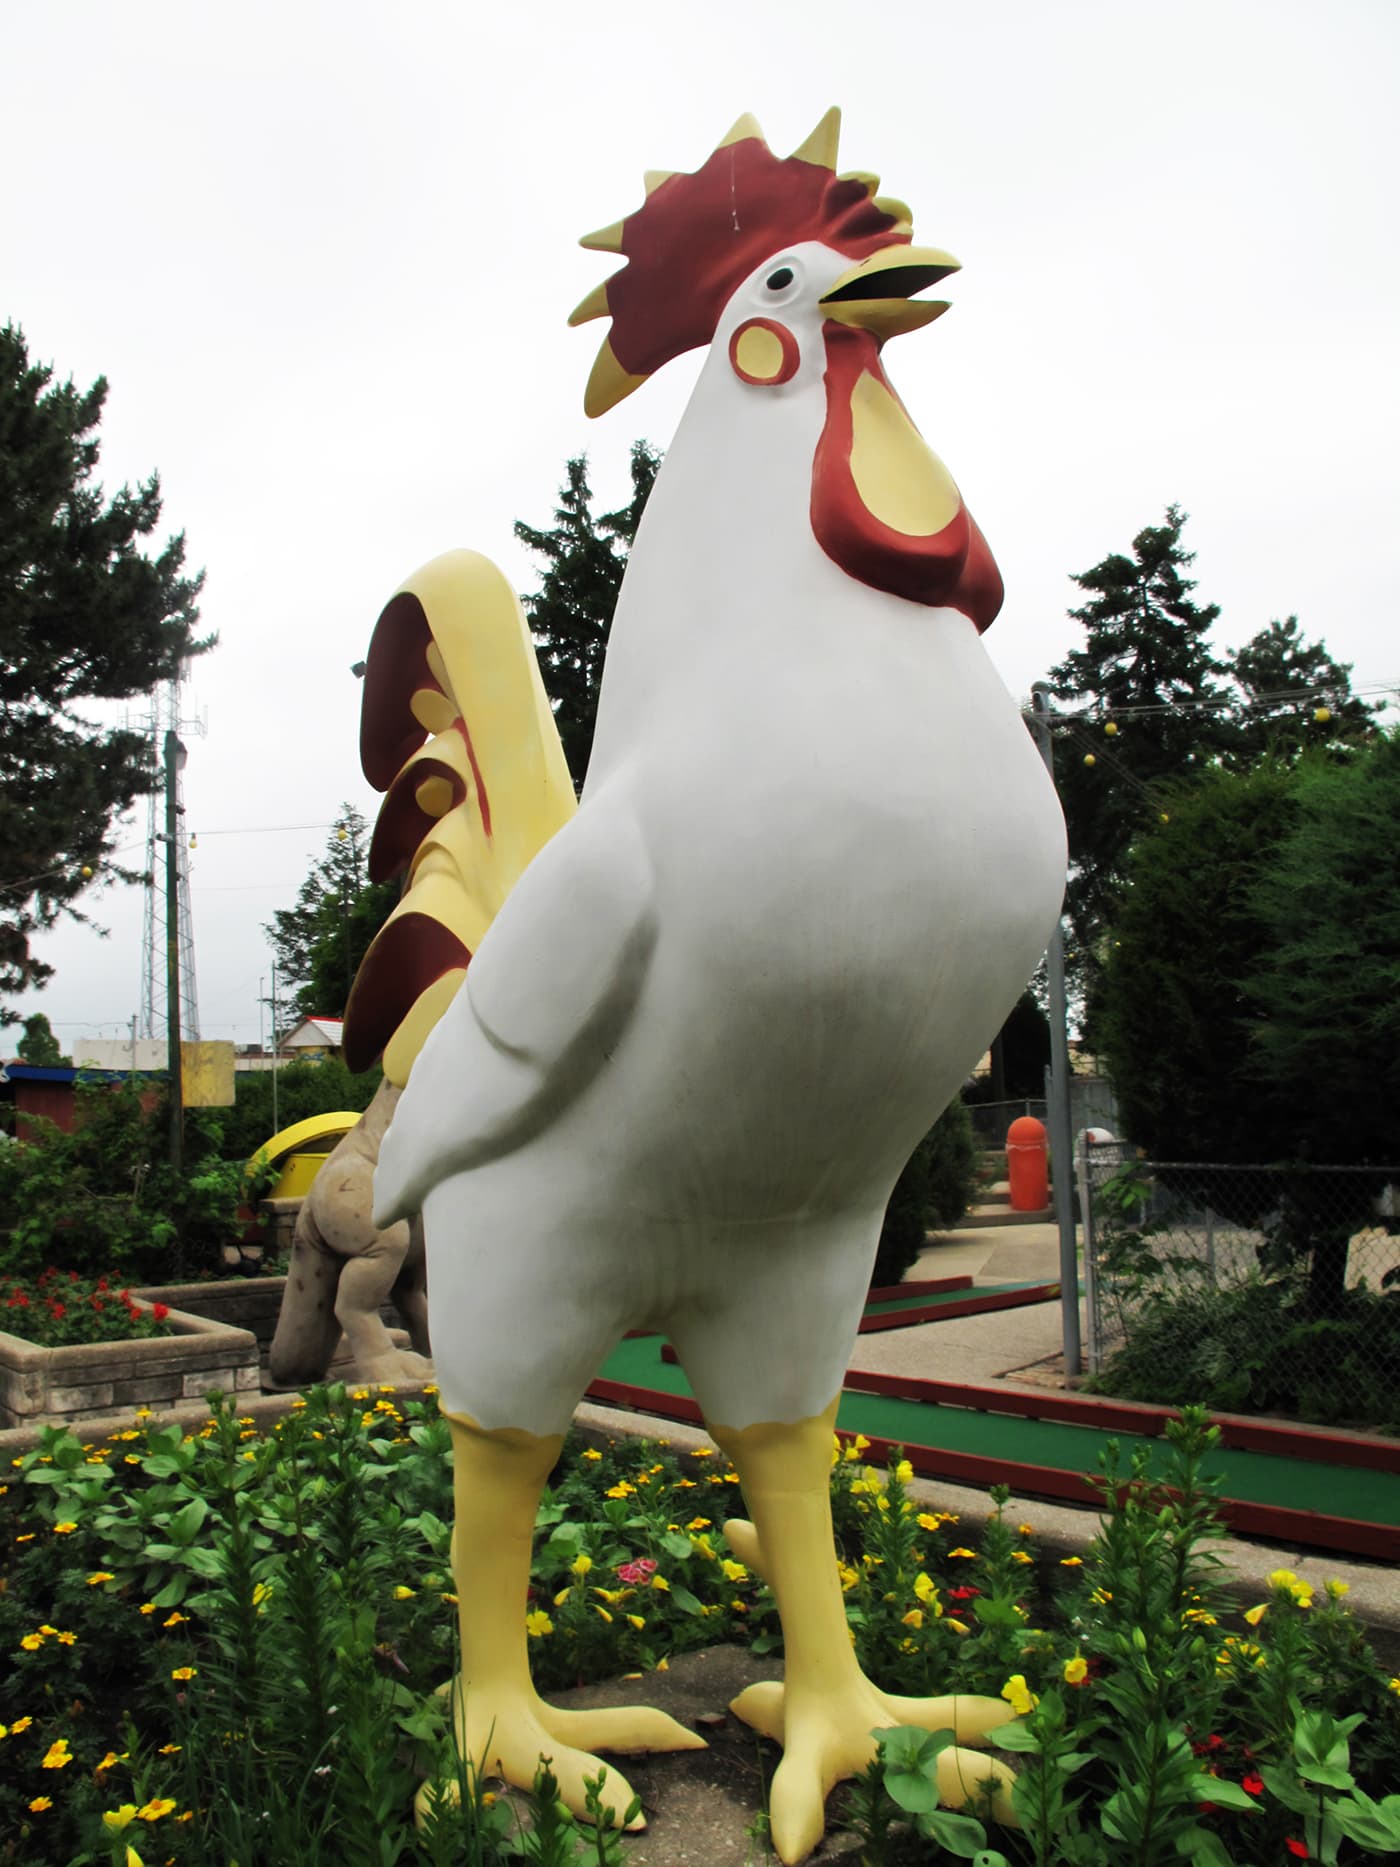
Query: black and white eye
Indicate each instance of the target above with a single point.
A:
(781, 282)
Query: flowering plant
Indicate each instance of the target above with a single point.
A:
(59, 1308)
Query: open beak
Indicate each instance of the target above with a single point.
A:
(877, 295)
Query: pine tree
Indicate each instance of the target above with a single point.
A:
(85, 616)
(1146, 693)
(571, 614)
(39, 1045)
(1293, 695)
(320, 942)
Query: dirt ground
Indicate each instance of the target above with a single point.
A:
(700, 1804)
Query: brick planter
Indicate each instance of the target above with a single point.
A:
(94, 1378)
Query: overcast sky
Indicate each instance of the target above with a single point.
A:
(324, 254)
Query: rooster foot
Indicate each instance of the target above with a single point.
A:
(826, 1737)
(511, 1744)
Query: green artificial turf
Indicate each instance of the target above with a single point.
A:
(1250, 1477)
(954, 1296)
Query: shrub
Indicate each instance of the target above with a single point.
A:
(104, 1200)
(935, 1189)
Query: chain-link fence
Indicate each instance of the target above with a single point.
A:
(1251, 1289)
(1092, 1104)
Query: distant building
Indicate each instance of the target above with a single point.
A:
(313, 1037)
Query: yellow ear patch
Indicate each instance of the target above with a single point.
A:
(899, 478)
(763, 353)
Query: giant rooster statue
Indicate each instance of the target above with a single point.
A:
(680, 1043)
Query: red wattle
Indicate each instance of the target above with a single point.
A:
(949, 569)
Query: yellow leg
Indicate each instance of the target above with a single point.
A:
(502, 1724)
(825, 1709)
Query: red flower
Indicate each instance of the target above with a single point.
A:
(161, 1310)
(638, 1573)
(1215, 1742)
(96, 1303)
(1253, 1785)
(965, 1593)
(18, 1301)
(1296, 1848)
(102, 1283)
(57, 1309)
(72, 1277)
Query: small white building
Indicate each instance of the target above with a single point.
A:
(313, 1037)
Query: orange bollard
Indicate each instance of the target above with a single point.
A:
(1027, 1167)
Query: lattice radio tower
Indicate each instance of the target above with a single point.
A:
(165, 718)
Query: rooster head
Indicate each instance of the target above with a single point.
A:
(802, 275)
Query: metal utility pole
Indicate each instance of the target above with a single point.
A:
(160, 918)
(1058, 1106)
(174, 759)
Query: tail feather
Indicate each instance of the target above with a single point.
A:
(457, 730)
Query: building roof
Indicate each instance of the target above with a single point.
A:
(315, 1033)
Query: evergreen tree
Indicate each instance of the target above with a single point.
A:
(84, 616)
(571, 614)
(1145, 692)
(39, 1045)
(1293, 695)
(320, 942)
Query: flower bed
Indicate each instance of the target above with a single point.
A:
(223, 1645)
(60, 1310)
(162, 1357)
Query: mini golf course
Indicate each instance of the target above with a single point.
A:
(1293, 1484)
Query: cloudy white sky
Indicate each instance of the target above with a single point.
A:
(324, 254)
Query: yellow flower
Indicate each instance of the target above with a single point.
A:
(660, 1582)
(261, 1591)
(451, 1600)
(613, 1595)
(404, 1594)
(636, 1621)
(926, 1520)
(734, 1571)
(171, 1750)
(153, 1810)
(1076, 1670)
(117, 1819)
(1101, 1597)
(133, 1859)
(1019, 1696)
(603, 1613)
(184, 1672)
(58, 1756)
(663, 1666)
(592, 1456)
(620, 1489)
(64, 1529)
(904, 1472)
(1019, 1555)
(914, 1618)
(1255, 1615)
(1025, 1529)
(1336, 1589)
(1391, 1685)
(538, 1624)
(698, 1523)
(20, 1724)
(100, 1575)
(963, 1552)
(1071, 1562)
(108, 1761)
(40, 1803)
(67, 1639)
(32, 1642)
(925, 1587)
(581, 1564)
(147, 1607)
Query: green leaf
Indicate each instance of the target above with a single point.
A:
(684, 1600)
(1197, 1844)
(1017, 1737)
(959, 1834)
(1224, 1794)
(187, 1522)
(911, 1757)
(1285, 1786)
(676, 1545)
